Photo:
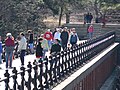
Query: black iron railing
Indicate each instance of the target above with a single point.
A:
(51, 71)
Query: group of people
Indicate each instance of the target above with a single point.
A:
(88, 18)
(54, 41)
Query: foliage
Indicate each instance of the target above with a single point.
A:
(21, 15)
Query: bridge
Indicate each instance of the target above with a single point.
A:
(83, 67)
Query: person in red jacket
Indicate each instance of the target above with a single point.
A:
(90, 31)
(49, 37)
(9, 43)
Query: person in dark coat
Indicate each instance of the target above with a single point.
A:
(39, 49)
(55, 47)
(31, 41)
(64, 38)
(90, 18)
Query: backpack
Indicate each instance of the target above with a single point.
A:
(73, 39)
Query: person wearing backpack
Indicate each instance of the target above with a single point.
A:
(9, 44)
(73, 39)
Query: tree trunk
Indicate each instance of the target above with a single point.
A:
(96, 8)
(67, 17)
(60, 16)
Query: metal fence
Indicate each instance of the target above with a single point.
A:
(51, 71)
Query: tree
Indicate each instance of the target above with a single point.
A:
(61, 7)
(21, 15)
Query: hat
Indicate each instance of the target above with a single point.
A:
(8, 34)
(48, 30)
(65, 27)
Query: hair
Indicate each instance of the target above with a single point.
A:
(57, 40)
(29, 31)
(40, 39)
(22, 34)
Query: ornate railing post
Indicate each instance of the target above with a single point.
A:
(79, 54)
(72, 63)
(22, 77)
(62, 66)
(55, 69)
(58, 67)
(14, 78)
(29, 76)
(68, 60)
(65, 61)
(41, 74)
(46, 73)
(76, 56)
(50, 71)
(7, 80)
(75, 60)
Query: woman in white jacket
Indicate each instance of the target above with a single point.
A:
(57, 34)
(22, 47)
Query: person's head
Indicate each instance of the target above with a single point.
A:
(40, 39)
(9, 35)
(42, 35)
(29, 31)
(22, 34)
(57, 41)
(65, 28)
(48, 30)
(73, 29)
(57, 29)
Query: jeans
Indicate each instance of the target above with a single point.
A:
(44, 52)
(49, 43)
(90, 34)
(31, 46)
(22, 54)
(9, 57)
(64, 45)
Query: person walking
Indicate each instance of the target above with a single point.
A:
(39, 49)
(1, 50)
(64, 38)
(9, 44)
(90, 31)
(22, 47)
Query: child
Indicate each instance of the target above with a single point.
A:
(44, 45)
(39, 49)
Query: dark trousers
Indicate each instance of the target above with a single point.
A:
(64, 45)
(22, 54)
